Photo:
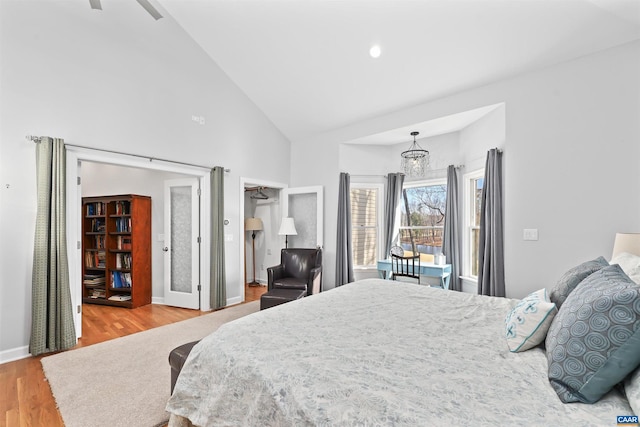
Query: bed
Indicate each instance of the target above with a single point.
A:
(376, 353)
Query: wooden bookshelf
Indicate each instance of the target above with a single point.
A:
(116, 247)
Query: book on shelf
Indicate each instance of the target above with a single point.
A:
(123, 243)
(97, 208)
(123, 261)
(120, 279)
(123, 207)
(97, 225)
(98, 293)
(120, 297)
(94, 259)
(123, 225)
(94, 280)
(99, 242)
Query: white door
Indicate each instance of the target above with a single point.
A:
(305, 206)
(181, 247)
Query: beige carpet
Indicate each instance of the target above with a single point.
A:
(126, 381)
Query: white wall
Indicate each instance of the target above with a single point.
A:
(475, 140)
(481, 136)
(571, 156)
(114, 80)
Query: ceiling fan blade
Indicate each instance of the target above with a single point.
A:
(149, 8)
(95, 4)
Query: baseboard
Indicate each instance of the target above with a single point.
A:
(14, 354)
(157, 300)
(234, 301)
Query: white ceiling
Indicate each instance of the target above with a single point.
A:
(306, 63)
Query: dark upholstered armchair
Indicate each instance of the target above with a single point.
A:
(298, 269)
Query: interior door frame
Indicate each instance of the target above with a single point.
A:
(244, 182)
(74, 156)
(319, 191)
(182, 299)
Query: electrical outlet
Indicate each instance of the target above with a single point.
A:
(530, 234)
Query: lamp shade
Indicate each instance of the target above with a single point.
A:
(253, 224)
(287, 227)
(626, 242)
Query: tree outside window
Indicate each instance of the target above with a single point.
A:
(422, 220)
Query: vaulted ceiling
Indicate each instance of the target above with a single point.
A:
(306, 63)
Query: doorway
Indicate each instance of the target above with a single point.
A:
(76, 158)
(305, 204)
(267, 242)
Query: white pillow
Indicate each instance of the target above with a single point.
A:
(630, 264)
(526, 325)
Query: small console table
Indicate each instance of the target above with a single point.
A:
(426, 269)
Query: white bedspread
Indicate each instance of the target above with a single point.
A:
(375, 353)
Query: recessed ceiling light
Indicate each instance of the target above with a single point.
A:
(375, 51)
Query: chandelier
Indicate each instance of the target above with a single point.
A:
(415, 160)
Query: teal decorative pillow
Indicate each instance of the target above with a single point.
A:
(594, 341)
(573, 277)
(527, 324)
(632, 390)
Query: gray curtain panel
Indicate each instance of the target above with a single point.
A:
(344, 256)
(218, 278)
(52, 327)
(392, 199)
(451, 243)
(491, 247)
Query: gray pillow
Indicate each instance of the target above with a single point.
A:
(594, 340)
(573, 277)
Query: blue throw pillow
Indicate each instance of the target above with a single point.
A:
(573, 277)
(594, 340)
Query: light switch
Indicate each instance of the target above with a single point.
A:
(530, 234)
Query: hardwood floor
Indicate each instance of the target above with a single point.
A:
(25, 396)
(252, 293)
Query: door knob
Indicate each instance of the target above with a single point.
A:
(165, 249)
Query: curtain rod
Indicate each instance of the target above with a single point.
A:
(151, 159)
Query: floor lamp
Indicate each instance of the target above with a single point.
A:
(253, 225)
(287, 228)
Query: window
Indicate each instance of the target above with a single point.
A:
(366, 205)
(422, 217)
(473, 197)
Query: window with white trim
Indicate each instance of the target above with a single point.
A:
(473, 184)
(423, 206)
(366, 217)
